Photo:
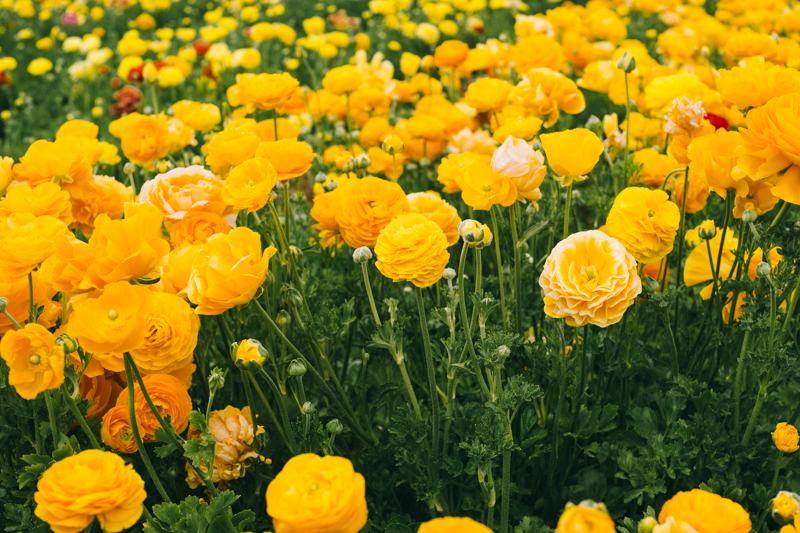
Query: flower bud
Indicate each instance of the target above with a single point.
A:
(129, 168)
(449, 273)
(283, 319)
(334, 427)
(749, 216)
(392, 145)
(216, 380)
(763, 270)
(3, 304)
(68, 344)
(308, 408)
(197, 160)
(706, 233)
(247, 351)
(362, 255)
(424, 162)
(488, 238)
(293, 297)
(503, 351)
(647, 525)
(595, 125)
(471, 231)
(349, 165)
(362, 161)
(297, 368)
(627, 62)
(331, 185)
(321, 177)
(785, 506)
(270, 278)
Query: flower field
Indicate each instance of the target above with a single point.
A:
(399, 266)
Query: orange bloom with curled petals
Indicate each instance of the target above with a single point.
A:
(262, 91)
(26, 241)
(35, 361)
(44, 199)
(97, 196)
(233, 145)
(116, 430)
(706, 512)
(170, 397)
(196, 228)
(645, 222)
(369, 205)
(196, 115)
(431, 206)
(452, 168)
(102, 391)
(181, 190)
(57, 161)
(290, 158)
(16, 291)
(66, 269)
(324, 211)
(144, 138)
(756, 83)
(450, 54)
(412, 248)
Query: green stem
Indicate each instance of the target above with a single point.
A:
(32, 311)
(48, 399)
(566, 210)
(275, 123)
(672, 346)
(407, 382)
(681, 237)
(154, 98)
(737, 385)
(79, 417)
(287, 426)
(287, 214)
(782, 213)
(506, 491)
(467, 329)
(513, 209)
(426, 341)
(270, 412)
(499, 270)
(628, 129)
(11, 319)
(365, 272)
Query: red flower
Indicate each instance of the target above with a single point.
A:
(127, 99)
(201, 47)
(717, 121)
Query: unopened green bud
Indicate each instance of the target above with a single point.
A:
(362, 255)
(129, 168)
(334, 427)
(321, 177)
(297, 368)
(68, 344)
(362, 161)
(283, 319)
(627, 62)
(449, 273)
(3, 304)
(308, 408)
(650, 285)
(749, 216)
(216, 380)
(763, 270)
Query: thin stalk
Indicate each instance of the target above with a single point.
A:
(566, 210)
(762, 390)
(48, 399)
(287, 215)
(506, 491)
(426, 341)
(130, 363)
(512, 210)
(782, 213)
(499, 270)
(287, 426)
(365, 272)
(32, 311)
(270, 412)
(737, 385)
(275, 122)
(409, 389)
(250, 403)
(681, 233)
(79, 417)
(672, 346)
(628, 128)
(466, 324)
(11, 319)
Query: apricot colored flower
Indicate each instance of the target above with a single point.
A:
(572, 153)
(481, 188)
(524, 166)
(450, 54)
(248, 186)
(196, 228)
(706, 512)
(45, 199)
(196, 115)
(234, 434)
(181, 190)
(589, 278)
(290, 158)
(488, 95)
(452, 524)
(175, 269)
(785, 438)
(698, 264)
(584, 519)
(35, 361)
(452, 168)
(769, 146)
(97, 196)
(645, 222)
(698, 192)
(314, 494)
(368, 205)
(144, 138)
(16, 291)
(230, 147)
(126, 249)
(116, 430)
(412, 248)
(93, 483)
(229, 271)
(431, 206)
(344, 79)
(66, 269)
(26, 241)
(262, 91)
(98, 389)
(170, 397)
(113, 322)
(56, 161)
(655, 168)
(171, 335)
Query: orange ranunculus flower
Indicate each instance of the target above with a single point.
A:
(233, 145)
(78, 128)
(27, 240)
(452, 524)
(198, 116)
(452, 168)
(249, 185)
(116, 430)
(44, 199)
(756, 83)
(182, 190)
(93, 483)
(113, 322)
(431, 206)
(450, 54)
(175, 269)
(262, 91)
(706, 512)
(326, 206)
(488, 95)
(314, 493)
(585, 519)
(427, 127)
(369, 204)
(655, 168)
(481, 188)
(35, 361)
(785, 438)
(196, 228)
(6, 172)
(126, 249)
(66, 269)
(229, 271)
(758, 197)
(234, 434)
(545, 93)
(572, 153)
(56, 161)
(537, 51)
(713, 159)
(144, 138)
(102, 392)
(99, 195)
(698, 264)
(698, 192)
(170, 397)
(412, 248)
(16, 291)
(374, 131)
(589, 278)
(524, 166)
(645, 222)
(290, 158)
(383, 163)
(769, 147)
(171, 335)
(344, 79)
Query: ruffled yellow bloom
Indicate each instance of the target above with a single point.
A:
(368, 206)
(198, 116)
(432, 207)
(144, 138)
(698, 192)
(481, 187)
(452, 168)
(655, 167)
(342, 80)
(412, 248)
(785, 438)
(56, 161)
(93, 483)
(488, 95)
(706, 512)
(589, 278)
(235, 144)
(262, 91)
(26, 241)
(169, 396)
(645, 222)
(572, 154)
(756, 83)
(116, 430)
(290, 158)
(249, 185)
(452, 524)
(35, 361)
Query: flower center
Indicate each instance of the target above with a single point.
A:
(113, 315)
(35, 359)
(651, 213)
(589, 275)
(487, 188)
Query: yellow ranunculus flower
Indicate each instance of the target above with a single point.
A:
(488, 95)
(249, 185)
(368, 206)
(572, 153)
(585, 518)
(116, 430)
(290, 158)
(40, 66)
(314, 493)
(144, 138)
(432, 207)
(589, 278)
(785, 506)
(93, 483)
(645, 222)
(26, 241)
(481, 187)
(249, 350)
(44, 199)
(706, 512)
(200, 117)
(232, 146)
(262, 91)
(785, 438)
(755, 83)
(344, 79)
(35, 361)
(452, 524)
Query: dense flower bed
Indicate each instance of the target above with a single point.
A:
(437, 266)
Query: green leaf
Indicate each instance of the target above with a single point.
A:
(533, 230)
(200, 450)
